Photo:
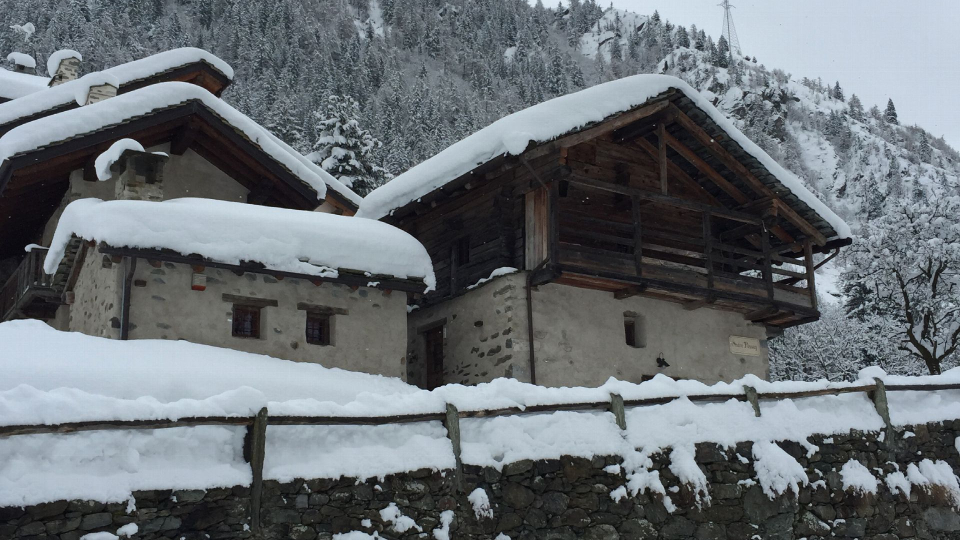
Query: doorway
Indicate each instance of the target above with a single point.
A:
(433, 356)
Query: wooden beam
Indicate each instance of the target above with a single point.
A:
(183, 139)
(679, 174)
(629, 292)
(811, 273)
(662, 156)
(697, 304)
(761, 314)
(740, 170)
(706, 169)
(637, 235)
(664, 199)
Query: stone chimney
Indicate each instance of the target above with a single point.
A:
(64, 66)
(100, 92)
(140, 176)
(22, 63)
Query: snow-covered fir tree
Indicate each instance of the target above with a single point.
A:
(344, 149)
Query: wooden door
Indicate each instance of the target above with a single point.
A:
(536, 227)
(433, 341)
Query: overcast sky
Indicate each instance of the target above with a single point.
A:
(908, 50)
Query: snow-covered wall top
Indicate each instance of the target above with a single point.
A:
(547, 121)
(297, 241)
(55, 377)
(91, 118)
(15, 85)
(63, 94)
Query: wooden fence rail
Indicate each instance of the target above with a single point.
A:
(255, 439)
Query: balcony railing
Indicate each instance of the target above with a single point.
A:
(29, 293)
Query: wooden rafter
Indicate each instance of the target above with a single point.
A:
(740, 170)
(662, 155)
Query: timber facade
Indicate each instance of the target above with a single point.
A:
(657, 203)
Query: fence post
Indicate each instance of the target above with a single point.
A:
(255, 444)
(879, 398)
(619, 413)
(751, 393)
(452, 423)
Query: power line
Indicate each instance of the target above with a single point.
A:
(729, 30)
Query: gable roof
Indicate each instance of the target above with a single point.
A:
(14, 85)
(317, 244)
(185, 64)
(36, 158)
(522, 131)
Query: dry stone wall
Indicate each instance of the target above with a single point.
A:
(560, 499)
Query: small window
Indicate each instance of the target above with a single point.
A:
(318, 328)
(246, 321)
(463, 251)
(634, 331)
(630, 327)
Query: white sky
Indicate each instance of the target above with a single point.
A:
(908, 50)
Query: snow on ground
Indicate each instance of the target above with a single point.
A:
(54, 377)
(513, 134)
(313, 243)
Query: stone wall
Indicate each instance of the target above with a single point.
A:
(564, 499)
(97, 298)
(486, 333)
(163, 306)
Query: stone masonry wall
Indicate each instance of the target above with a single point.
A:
(563, 499)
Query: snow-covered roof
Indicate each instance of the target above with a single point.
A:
(283, 240)
(513, 134)
(15, 85)
(91, 118)
(34, 103)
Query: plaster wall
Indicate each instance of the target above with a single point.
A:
(579, 337)
(369, 338)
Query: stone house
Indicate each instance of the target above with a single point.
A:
(154, 210)
(623, 231)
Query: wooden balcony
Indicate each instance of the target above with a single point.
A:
(636, 242)
(29, 293)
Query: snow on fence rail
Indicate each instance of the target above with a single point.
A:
(255, 439)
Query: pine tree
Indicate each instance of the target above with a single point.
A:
(699, 45)
(890, 115)
(856, 108)
(925, 151)
(683, 39)
(343, 148)
(838, 92)
(722, 56)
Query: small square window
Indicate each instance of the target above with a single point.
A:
(246, 321)
(318, 328)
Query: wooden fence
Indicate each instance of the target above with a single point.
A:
(255, 440)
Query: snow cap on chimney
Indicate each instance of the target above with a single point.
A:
(63, 66)
(96, 86)
(22, 63)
